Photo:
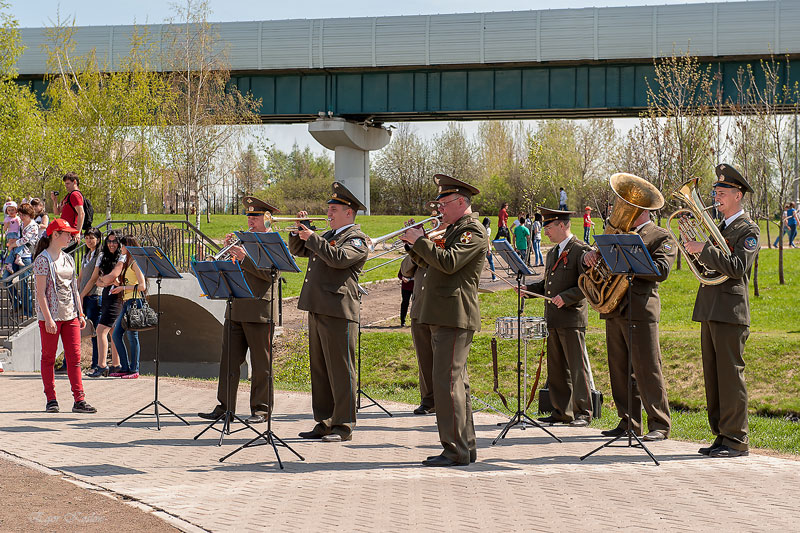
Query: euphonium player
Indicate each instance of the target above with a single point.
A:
(724, 314)
(330, 295)
(648, 388)
(249, 328)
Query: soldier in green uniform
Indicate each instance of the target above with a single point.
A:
(421, 333)
(724, 314)
(450, 308)
(649, 388)
(250, 328)
(330, 295)
(568, 374)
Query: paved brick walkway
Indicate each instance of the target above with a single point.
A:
(375, 482)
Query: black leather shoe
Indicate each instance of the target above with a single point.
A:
(310, 435)
(550, 419)
(616, 432)
(255, 419)
(655, 436)
(213, 415)
(422, 410)
(441, 460)
(726, 451)
(706, 450)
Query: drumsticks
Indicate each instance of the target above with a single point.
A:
(523, 291)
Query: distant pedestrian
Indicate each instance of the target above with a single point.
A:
(789, 219)
(489, 257)
(587, 223)
(521, 235)
(538, 260)
(406, 290)
(502, 223)
(562, 199)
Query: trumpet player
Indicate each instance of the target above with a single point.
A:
(330, 295)
(724, 314)
(249, 328)
(649, 389)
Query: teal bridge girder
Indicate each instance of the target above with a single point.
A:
(480, 93)
(538, 91)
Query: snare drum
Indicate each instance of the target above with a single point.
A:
(533, 327)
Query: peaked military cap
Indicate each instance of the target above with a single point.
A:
(253, 206)
(729, 177)
(341, 195)
(449, 185)
(551, 215)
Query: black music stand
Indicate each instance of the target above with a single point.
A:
(359, 391)
(224, 280)
(626, 254)
(154, 264)
(268, 252)
(517, 264)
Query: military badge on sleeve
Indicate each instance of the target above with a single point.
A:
(750, 244)
(466, 237)
(667, 247)
(357, 243)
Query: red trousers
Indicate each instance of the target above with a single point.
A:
(70, 332)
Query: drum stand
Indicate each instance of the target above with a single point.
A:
(359, 391)
(520, 417)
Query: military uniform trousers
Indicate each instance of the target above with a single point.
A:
(451, 394)
(568, 378)
(723, 370)
(421, 336)
(332, 355)
(256, 336)
(648, 386)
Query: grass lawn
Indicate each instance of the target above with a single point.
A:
(772, 353)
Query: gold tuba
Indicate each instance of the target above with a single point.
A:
(602, 289)
(695, 224)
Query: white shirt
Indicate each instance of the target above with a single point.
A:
(338, 231)
(563, 197)
(643, 224)
(563, 244)
(730, 219)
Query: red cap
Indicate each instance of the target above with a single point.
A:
(587, 208)
(60, 224)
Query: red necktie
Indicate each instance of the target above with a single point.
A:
(561, 257)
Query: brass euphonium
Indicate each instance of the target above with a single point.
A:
(695, 224)
(603, 289)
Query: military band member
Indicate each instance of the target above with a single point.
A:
(249, 328)
(568, 374)
(649, 389)
(330, 295)
(450, 308)
(724, 314)
(421, 333)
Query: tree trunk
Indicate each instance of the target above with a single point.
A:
(755, 276)
(769, 241)
(781, 280)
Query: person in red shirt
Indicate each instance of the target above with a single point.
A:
(502, 223)
(71, 207)
(587, 223)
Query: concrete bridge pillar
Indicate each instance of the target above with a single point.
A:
(351, 143)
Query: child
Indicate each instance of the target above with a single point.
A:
(11, 227)
(587, 223)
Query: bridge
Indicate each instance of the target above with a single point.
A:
(358, 73)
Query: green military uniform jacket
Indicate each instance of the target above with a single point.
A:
(563, 281)
(644, 294)
(258, 309)
(453, 273)
(331, 284)
(729, 301)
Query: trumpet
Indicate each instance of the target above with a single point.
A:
(224, 254)
(390, 242)
(274, 222)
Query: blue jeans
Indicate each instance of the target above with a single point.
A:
(91, 307)
(586, 234)
(490, 258)
(25, 282)
(784, 231)
(128, 365)
(537, 252)
(792, 234)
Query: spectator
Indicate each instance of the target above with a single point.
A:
(406, 290)
(133, 288)
(521, 235)
(587, 223)
(502, 223)
(562, 199)
(29, 235)
(789, 220)
(529, 225)
(71, 207)
(489, 257)
(12, 225)
(59, 311)
(537, 240)
(40, 216)
(106, 273)
(89, 292)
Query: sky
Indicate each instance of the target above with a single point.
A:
(39, 13)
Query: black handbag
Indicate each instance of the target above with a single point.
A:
(141, 318)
